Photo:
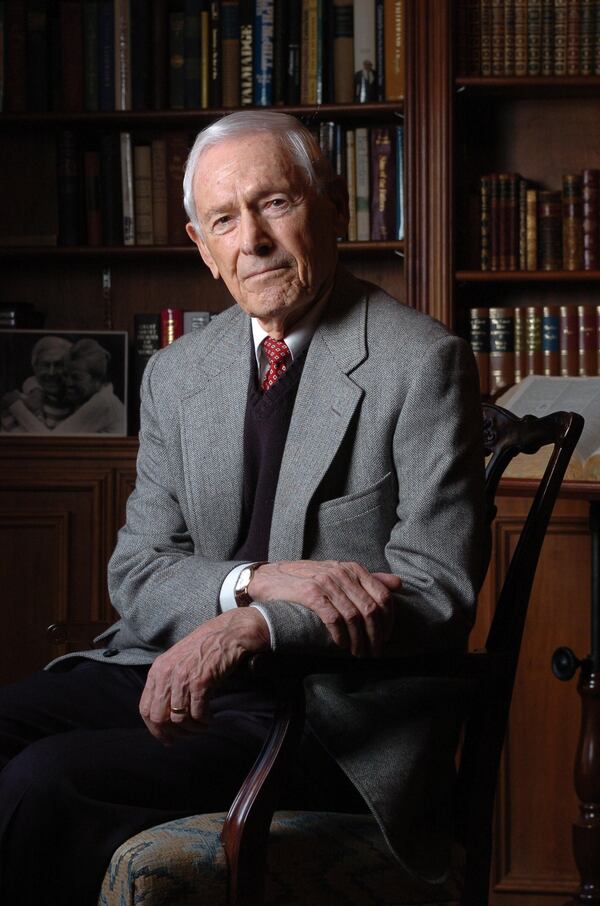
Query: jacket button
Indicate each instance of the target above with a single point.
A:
(110, 652)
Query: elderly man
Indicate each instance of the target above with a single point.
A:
(314, 453)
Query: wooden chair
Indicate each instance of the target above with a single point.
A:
(218, 859)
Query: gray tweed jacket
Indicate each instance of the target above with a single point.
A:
(388, 415)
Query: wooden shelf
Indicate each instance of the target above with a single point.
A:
(177, 118)
(531, 86)
(527, 276)
(160, 251)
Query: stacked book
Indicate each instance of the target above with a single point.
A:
(525, 228)
(124, 189)
(510, 343)
(505, 38)
(105, 55)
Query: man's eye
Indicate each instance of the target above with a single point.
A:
(277, 203)
(222, 223)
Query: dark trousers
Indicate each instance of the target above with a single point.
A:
(81, 774)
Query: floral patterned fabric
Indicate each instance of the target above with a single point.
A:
(316, 858)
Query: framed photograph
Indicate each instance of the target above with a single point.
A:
(63, 382)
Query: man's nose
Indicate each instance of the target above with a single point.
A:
(254, 237)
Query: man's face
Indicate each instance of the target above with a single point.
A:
(268, 234)
(49, 370)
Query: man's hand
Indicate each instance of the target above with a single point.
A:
(185, 676)
(355, 605)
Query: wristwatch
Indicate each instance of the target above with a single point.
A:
(240, 592)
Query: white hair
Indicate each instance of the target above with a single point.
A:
(49, 344)
(295, 137)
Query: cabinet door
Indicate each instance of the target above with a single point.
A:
(536, 802)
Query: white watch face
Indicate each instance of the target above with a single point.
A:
(244, 579)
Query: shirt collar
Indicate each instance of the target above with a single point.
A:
(298, 338)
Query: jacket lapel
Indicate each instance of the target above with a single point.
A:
(325, 404)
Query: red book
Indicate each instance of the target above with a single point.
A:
(550, 230)
(568, 341)
(590, 181)
(588, 337)
(171, 325)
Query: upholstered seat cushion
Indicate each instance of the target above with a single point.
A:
(314, 857)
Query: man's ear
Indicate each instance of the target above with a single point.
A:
(203, 249)
(338, 195)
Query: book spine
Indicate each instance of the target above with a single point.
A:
(534, 37)
(484, 217)
(590, 187)
(127, 189)
(520, 344)
(146, 341)
(498, 37)
(246, 53)
(485, 28)
(473, 40)
(532, 229)
(343, 52)
(91, 55)
(293, 81)
(379, 51)
(587, 340)
(195, 320)
(280, 48)
(15, 80)
(263, 53)
(568, 341)
(106, 66)
(192, 44)
(573, 36)
(110, 199)
(70, 207)
(383, 183)
(551, 339)
(93, 213)
(71, 55)
(550, 230)
(177, 59)
(363, 225)
(521, 47)
(522, 221)
(504, 221)
(400, 182)
(597, 41)
(351, 180)
(177, 152)
(547, 37)
(159, 27)
(204, 56)
(533, 339)
(560, 37)
(572, 224)
(587, 38)
(494, 221)
(142, 168)
(394, 42)
(171, 325)
(159, 192)
(230, 52)
(309, 53)
(512, 217)
(141, 54)
(479, 337)
(365, 80)
(122, 55)
(215, 86)
(37, 55)
(502, 349)
(509, 38)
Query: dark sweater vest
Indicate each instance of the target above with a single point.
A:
(265, 431)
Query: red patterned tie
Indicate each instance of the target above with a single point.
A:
(277, 353)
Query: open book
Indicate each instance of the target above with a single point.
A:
(539, 395)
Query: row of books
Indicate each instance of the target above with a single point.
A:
(108, 55)
(527, 228)
(127, 189)
(506, 38)
(510, 343)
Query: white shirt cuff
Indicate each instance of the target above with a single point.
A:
(227, 595)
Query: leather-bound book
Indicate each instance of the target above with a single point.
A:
(560, 37)
(479, 337)
(509, 38)
(597, 42)
(498, 37)
(394, 42)
(171, 325)
(486, 37)
(474, 9)
(508, 209)
(485, 218)
(176, 57)
(520, 37)
(551, 339)
(547, 61)
(177, 152)
(532, 229)
(494, 221)
(534, 37)
(502, 349)
(587, 340)
(572, 222)
(573, 37)
(160, 228)
(520, 344)
(590, 187)
(142, 175)
(569, 341)
(230, 52)
(533, 339)
(383, 184)
(550, 230)
(587, 37)
(522, 224)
